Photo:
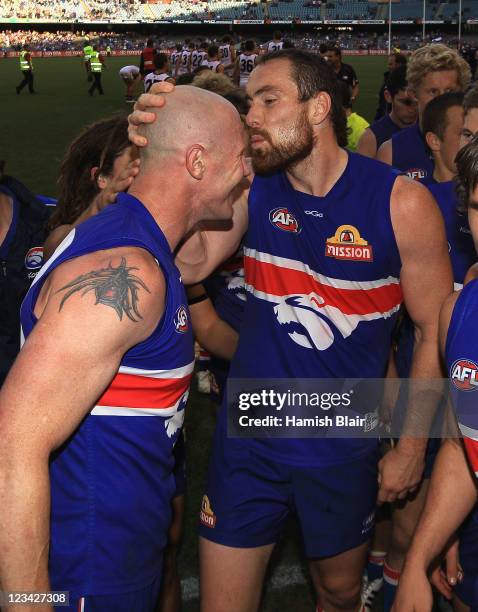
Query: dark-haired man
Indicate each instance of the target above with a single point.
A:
(396, 60)
(404, 113)
(314, 309)
(344, 72)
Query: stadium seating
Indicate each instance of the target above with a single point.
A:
(194, 10)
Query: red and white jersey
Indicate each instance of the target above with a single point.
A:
(152, 78)
(247, 62)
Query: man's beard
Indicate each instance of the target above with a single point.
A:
(297, 144)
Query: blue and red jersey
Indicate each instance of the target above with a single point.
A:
(461, 355)
(112, 480)
(323, 290)
(411, 156)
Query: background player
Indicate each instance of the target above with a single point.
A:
(130, 75)
(161, 72)
(432, 70)
(213, 61)
(227, 54)
(245, 63)
(403, 114)
(344, 72)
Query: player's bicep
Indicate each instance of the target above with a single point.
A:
(426, 275)
(94, 312)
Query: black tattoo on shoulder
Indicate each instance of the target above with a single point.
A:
(114, 287)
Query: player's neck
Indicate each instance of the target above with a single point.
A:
(397, 121)
(441, 173)
(170, 206)
(318, 173)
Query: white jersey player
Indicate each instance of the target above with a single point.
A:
(183, 63)
(198, 57)
(130, 75)
(213, 61)
(161, 73)
(227, 53)
(276, 43)
(245, 64)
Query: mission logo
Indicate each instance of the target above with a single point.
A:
(347, 243)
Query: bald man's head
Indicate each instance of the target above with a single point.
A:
(191, 117)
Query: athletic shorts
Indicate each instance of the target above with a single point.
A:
(179, 452)
(467, 590)
(142, 600)
(248, 499)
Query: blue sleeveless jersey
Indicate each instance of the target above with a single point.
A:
(410, 155)
(112, 480)
(384, 129)
(461, 356)
(323, 290)
(462, 255)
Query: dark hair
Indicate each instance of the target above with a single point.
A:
(467, 171)
(99, 144)
(345, 91)
(322, 48)
(149, 42)
(185, 79)
(160, 60)
(396, 81)
(238, 99)
(226, 39)
(212, 50)
(203, 45)
(277, 35)
(288, 44)
(335, 49)
(471, 99)
(400, 59)
(249, 45)
(435, 114)
(179, 47)
(312, 75)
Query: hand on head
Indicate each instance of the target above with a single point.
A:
(140, 116)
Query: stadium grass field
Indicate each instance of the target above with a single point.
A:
(34, 135)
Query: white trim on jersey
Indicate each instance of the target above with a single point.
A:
(152, 78)
(212, 65)
(274, 45)
(247, 62)
(184, 57)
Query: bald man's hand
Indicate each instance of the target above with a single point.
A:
(139, 116)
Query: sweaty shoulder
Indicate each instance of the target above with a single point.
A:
(384, 153)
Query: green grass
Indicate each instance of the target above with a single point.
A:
(37, 129)
(35, 133)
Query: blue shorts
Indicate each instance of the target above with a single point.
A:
(142, 600)
(467, 590)
(249, 498)
(179, 470)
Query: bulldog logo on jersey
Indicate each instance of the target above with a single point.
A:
(347, 243)
(206, 515)
(34, 258)
(417, 174)
(463, 374)
(284, 220)
(181, 323)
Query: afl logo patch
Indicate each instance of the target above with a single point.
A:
(463, 374)
(34, 258)
(181, 323)
(417, 174)
(284, 220)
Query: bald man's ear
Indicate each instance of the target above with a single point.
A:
(320, 107)
(196, 161)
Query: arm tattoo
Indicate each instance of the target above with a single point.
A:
(115, 287)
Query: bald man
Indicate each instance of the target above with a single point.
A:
(94, 403)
